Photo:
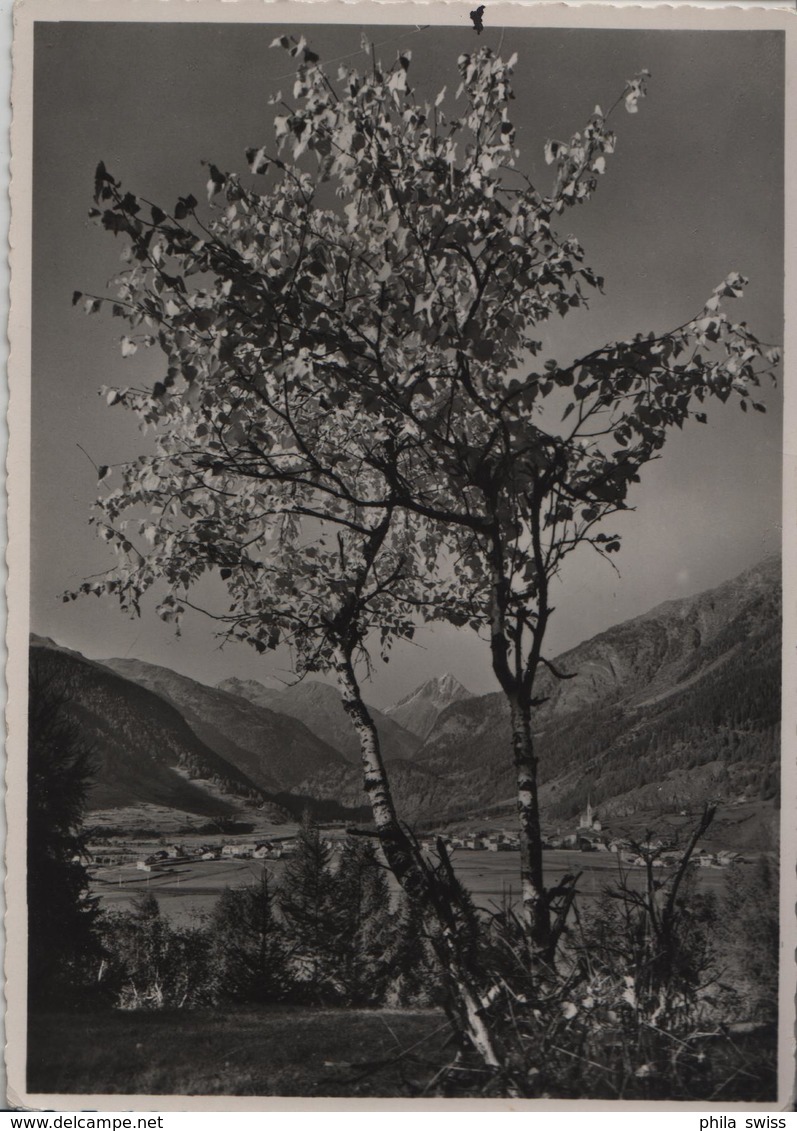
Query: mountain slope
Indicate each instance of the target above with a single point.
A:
(276, 751)
(143, 749)
(420, 710)
(319, 707)
(675, 705)
(418, 793)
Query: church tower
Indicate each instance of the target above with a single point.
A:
(588, 819)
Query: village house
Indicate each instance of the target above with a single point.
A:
(670, 859)
(110, 858)
(499, 842)
(238, 850)
(589, 840)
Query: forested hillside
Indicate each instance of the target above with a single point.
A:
(681, 703)
(275, 750)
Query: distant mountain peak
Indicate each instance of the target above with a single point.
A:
(445, 686)
(419, 710)
(448, 684)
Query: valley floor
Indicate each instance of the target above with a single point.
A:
(188, 890)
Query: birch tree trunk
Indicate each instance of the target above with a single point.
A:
(535, 903)
(414, 876)
(517, 685)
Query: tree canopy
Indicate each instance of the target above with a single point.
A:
(357, 423)
(327, 361)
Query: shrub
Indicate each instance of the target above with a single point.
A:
(249, 945)
(151, 964)
(749, 936)
(631, 1006)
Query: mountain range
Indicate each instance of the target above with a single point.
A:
(275, 750)
(320, 708)
(677, 705)
(660, 712)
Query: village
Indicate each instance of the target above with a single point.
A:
(589, 837)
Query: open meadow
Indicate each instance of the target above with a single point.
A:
(240, 1051)
(186, 891)
(297, 1051)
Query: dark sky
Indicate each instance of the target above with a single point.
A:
(693, 192)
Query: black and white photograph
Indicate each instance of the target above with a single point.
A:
(396, 521)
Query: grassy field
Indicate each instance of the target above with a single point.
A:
(186, 891)
(296, 1051)
(245, 1051)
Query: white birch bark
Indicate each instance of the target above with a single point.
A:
(416, 881)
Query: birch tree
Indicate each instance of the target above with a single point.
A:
(261, 476)
(352, 395)
(433, 331)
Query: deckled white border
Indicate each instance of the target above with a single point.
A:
(586, 13)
